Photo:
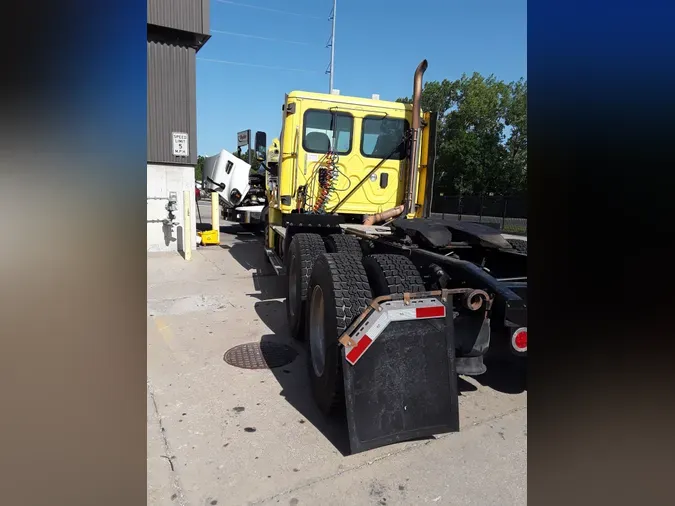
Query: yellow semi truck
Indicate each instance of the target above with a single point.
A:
(391, 304)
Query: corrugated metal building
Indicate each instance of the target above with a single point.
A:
(177, 29)
(171, 101)
(190, 16)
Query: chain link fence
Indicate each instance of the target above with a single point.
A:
(507, 214)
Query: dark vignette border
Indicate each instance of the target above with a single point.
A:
(600, 383)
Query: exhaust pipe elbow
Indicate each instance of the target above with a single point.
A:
(417, 93)
(372, 219)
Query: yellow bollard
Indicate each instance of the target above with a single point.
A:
(215, 211)
(213, 236)
(187, 226)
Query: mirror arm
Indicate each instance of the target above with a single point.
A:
(267, 169)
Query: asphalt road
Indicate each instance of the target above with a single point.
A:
(220, 435)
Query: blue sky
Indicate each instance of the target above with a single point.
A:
(374, 53)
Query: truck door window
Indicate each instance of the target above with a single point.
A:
(380, 136)
(322, 129)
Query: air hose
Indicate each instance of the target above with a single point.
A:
(328, 175)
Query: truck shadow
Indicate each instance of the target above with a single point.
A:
(504, 374)
(270, 290)
(248, 251)
(294, 382)
(273, 314)
(231, 229)
(293, 379)
(294, 388)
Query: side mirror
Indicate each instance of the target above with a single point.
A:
(261, 146)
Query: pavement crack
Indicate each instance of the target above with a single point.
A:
(170, 459)
(205, 257)
(168, 453)
(411, 447)
(484, 421)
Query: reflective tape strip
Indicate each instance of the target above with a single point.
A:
(392, 311)
(430, 312)
(358, 350)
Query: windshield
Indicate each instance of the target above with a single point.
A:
(381, 135)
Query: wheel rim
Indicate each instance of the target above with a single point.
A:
(317, 340)
(292, 286)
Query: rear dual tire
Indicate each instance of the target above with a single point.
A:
(303, 251)
(392, 274)
(343, 243)
(340, 288)
(338, 292)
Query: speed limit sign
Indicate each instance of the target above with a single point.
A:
(180, 144)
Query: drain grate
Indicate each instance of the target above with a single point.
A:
(265, 355)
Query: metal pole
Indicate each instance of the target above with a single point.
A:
(504, 212)
(249, 148)
(332, 50)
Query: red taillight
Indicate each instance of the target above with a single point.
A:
(519, 339)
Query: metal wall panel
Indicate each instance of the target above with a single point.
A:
(206, 16)
(171, 101)
(188, 15)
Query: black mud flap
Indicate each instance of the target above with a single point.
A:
(404, 386)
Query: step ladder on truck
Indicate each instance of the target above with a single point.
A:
(391, 304)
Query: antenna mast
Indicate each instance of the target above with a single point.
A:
(331, 68)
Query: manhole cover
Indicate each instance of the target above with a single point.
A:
(266, 355)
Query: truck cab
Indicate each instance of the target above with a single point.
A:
(328, 143)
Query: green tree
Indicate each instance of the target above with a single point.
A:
(199, 168)
(516, 144)
(436, 96)
(482, 134)
(255, 164)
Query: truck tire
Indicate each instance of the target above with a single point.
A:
(518, 245)
(343, 243)
(390, 274)
(338, 293)
(264, 218)
(302, 252)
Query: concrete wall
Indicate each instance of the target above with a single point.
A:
(163, 179)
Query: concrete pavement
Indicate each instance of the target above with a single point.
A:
(222, 435)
